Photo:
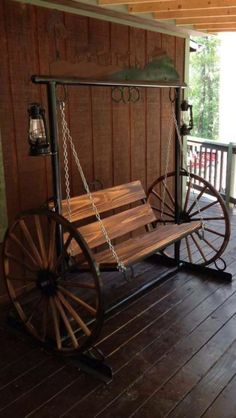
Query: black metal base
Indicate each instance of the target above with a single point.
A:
(223, 275)
(91, 365)
(143, 289)
(184, 265)
(91, 362)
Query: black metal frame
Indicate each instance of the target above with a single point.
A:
(51, 83)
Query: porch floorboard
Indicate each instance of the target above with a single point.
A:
(172, 352)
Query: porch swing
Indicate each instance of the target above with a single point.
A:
(57, 255)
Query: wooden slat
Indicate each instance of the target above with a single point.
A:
(226, 401)
(216, 26)
(214, 31)
(119, 2)
(179, 4)
(117, 225)
(105, 200)
(206, 20)
(194, 13)
(136, 249)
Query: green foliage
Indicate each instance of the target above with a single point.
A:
(204, 87)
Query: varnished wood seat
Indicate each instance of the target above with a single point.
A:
(131, 249)
(137, 248)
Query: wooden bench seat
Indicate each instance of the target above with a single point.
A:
(122, 224)
(137, 248)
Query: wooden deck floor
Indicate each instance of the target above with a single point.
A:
(173, 353)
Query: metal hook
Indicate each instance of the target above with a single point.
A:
(134, 98)
(65, 94)
(200, 234)
(129, 276)
(223, 262)
(125, 94)
(117, 98)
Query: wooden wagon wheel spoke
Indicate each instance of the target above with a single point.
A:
(64, 253)
(208, 218)
(209, 244)
(168, 193)
(206, 205)
(197, 199)
(164, 221)
(203, 208)
(163, 212)
(88, 307)
(74, 314)
(44, 323)
(198, 247)
(20, 262)
(25, 251)
(214, 232)
(29, 319)
(190, 183)
(161, 200)
(66, 322)
(79, 285)
(52, 240)
(21, 279)
(189, 249)
(41, 241)
(56, 323)
(18, 297)
(52, 296)
(31, 243)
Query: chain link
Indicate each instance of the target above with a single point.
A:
(67, 137)
(66, 172)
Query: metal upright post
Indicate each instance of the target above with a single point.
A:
(56, 175)
(177, 169)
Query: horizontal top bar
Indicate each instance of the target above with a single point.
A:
(44, 79)
(210, 143)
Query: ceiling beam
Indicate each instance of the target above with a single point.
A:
(111, 15)
(183, 14)
(170, 5)
(119, 2)
(216, 26)
(213, 32)
(206, 20)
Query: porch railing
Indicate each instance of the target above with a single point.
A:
(215, 161)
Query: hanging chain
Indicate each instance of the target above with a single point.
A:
(67, 137)
(188, 174)
(67, 181)
(66, 171)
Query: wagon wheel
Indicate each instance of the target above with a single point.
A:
(59, 303)
(198, 248)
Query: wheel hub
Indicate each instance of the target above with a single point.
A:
(184, 216)
(46, 282)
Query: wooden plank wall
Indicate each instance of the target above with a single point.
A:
(116, 142)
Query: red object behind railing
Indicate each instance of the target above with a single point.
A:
(212, 160)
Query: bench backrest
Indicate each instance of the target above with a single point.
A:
(117, 225)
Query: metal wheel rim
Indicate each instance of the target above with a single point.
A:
(221, 202)
(97, 321)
